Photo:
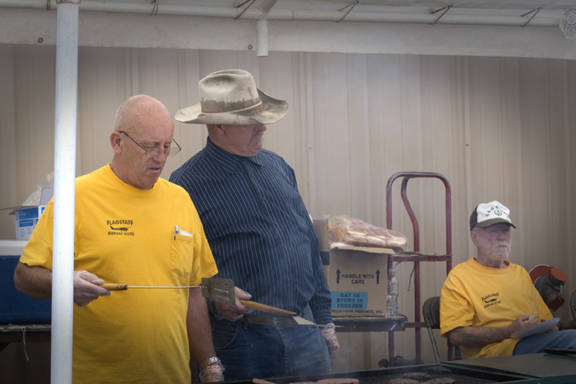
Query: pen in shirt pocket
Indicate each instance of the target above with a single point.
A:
(178, 231)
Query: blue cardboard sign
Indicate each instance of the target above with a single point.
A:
(350, 300)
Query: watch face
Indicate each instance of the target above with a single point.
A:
(208, 362)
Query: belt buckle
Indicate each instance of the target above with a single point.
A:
(279, 323)
(275, 323)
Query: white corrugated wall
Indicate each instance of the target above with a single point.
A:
(497, 128)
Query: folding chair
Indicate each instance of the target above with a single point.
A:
(431, 312)
(573, 304)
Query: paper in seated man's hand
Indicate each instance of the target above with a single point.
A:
(87, 288)
(522, 322)
(535, 316)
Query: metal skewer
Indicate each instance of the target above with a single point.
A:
(221, 290)
(124, 287)
(158, 287)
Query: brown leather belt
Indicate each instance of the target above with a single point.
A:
(276, 322)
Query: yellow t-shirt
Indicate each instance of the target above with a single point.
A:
(479, 296)
(127, 235)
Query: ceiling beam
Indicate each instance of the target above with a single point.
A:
(266, 11)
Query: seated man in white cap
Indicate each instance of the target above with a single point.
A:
(260, 234)
(489, 306)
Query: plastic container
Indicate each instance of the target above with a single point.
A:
(16, 307)
(392, 297)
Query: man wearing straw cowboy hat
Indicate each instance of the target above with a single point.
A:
(260, 234)
(489, 306)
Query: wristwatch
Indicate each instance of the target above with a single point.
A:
(210, 361)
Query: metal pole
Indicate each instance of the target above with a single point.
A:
(262, 29)
(64, 191)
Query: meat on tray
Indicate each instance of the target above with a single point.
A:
(417, 376)
(438, 369)
(342, 380)
(403, 380)
(260, 381)
(441, 380)
(323, 381)
(330, 381)
(343, 229)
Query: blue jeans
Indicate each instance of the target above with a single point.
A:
(537, 343)
(251, 351)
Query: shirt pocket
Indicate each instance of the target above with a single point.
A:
(181, 256)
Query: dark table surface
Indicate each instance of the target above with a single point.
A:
(22, 333)
(369, 324)
(553, 369)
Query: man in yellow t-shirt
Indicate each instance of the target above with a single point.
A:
(486, 300)
(132, 227)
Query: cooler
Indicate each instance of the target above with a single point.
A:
(16, 307)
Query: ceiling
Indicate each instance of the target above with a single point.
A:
(438, 27)
(508, 7)
(331, 5)
(539, 12)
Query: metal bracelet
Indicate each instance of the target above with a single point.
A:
(210, 361)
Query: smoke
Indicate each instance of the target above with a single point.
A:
(343, 361)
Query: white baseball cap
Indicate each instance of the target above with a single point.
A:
(487, 214)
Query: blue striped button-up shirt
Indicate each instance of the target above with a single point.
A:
(258, 228)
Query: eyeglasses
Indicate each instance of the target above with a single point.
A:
(155, 151)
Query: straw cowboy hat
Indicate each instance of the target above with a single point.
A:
(230, 97)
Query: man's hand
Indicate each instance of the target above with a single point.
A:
(479, 337)
(212, 373)
(569, 325)
(523, 322)
(87, 288)
(331, 341)
(236, 312)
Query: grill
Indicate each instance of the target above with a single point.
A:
(462, 375)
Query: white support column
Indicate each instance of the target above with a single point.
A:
(64, 191)
(262, 29)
